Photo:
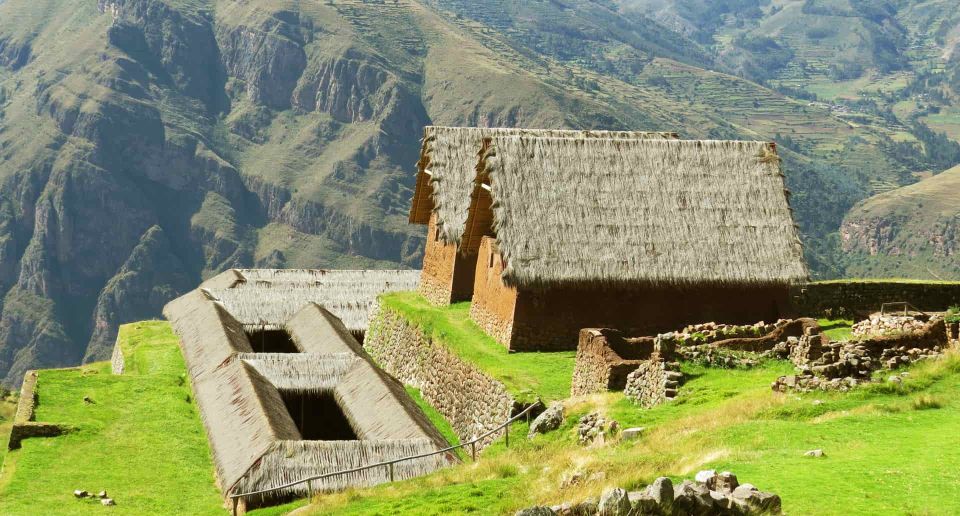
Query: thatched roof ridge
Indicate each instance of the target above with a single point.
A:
(448, 159)
(315, 330)
(654, 212)
(209, 335)
(270, 298)
(301, 372)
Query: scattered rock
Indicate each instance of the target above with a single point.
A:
(549, 420)
(814, 453)
(533, 511)
(107, 501)
(593, 429)
(80, 493)
(692, 498)
(102, 494)
(87, 400)
(614, 502)
(632, 433)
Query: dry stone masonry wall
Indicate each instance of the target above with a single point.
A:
(469, 399)
(24, 426)
(859, 298)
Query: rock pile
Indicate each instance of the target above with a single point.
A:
(878, 324)
(712, 332)
(711, 356)
(711, 493)
(594, 429)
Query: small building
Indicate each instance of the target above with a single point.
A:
(445, 175)
(296, 397)
(645, 236)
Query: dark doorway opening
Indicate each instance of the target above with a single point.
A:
(318, 417)
(272, 341)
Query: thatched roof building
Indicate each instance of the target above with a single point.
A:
(445, 178)
(318, 405)
(267, 298)
(575, 216)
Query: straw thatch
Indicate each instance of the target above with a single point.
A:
(655, 212)
(269, 298)
(255, 441)
(448, 159)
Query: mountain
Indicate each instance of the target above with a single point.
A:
(147, 144)
(912, 231)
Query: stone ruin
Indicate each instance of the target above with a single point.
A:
(658, 378)
(885, 324)
(841, 365)
(710, 493)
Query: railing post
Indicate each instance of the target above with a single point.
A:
(236, 501)
(310, 489)
(506, 434)
(473, 450)
(391, 472)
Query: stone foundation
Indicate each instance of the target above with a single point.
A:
(469, 399)
(433, 290)
(653, 383)
(497, 327)
(24, 427)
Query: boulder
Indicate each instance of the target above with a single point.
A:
(632, 433)
(706, 477)
(549, 420)
(814, 453)
(756, 500)
(661, 490)
(79, 493)
(536, 511)
(725, 483)
(614, 502)
(694, 499)
(107, 501)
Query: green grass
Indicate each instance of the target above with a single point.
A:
(526, 375)
(837, 329)
(435, 417)
(140, 439)
(889, 449)
(8, 408)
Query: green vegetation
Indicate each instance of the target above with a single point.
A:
(8, 408)
(953, 314)
(526, 375)
(888, 449)
(837, 329)
(434, 416)
(139, 437)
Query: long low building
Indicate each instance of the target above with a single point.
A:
(298, 399)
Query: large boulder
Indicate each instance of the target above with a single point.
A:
(614, 502)
(549, 420)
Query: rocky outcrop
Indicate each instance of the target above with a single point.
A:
(145, 283)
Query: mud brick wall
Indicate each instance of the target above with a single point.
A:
(605, 358)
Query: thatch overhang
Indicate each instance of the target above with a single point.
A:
(614, 212)
(446, 169)
(269, 298)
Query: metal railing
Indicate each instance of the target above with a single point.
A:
(505, 427)
(907, 307)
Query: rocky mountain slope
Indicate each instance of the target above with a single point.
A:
(145, 144)
(912, 231)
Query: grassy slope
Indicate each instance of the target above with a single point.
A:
(525, 375)
(8, 408)
(141, 439)
(888, 450)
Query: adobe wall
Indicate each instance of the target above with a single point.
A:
(470, 400)
(436, 280)
(548, 320)
(494, 303)
(859, 298)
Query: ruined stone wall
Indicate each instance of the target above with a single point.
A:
(604, 359)
(859, 298)
(24, 426)
(494, 304)
(469, 399)
(658, 379)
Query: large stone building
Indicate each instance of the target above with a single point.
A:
(642, 235)
(445, 178)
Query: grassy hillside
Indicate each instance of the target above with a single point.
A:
(888, 450)
(140, 438)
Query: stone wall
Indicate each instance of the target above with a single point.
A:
(653, 383)
(117, 361)
(605, 358)
(24, 426)
(469, 399)
(860, 298)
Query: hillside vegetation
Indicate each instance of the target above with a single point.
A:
(147, 144)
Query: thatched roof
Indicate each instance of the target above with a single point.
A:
(448, 160)
(269, 298)
(255, 442)
(655, 212)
